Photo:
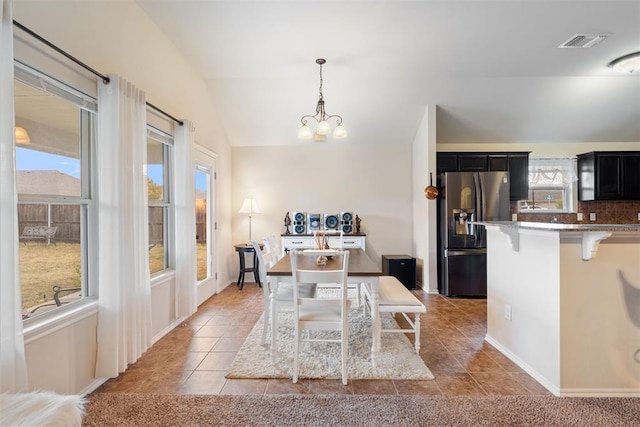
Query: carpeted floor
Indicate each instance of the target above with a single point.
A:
(397, 358)
(122, 409)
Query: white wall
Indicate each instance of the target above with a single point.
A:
(424, 211)
(373, 181)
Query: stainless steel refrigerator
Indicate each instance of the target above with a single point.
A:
(468, 197)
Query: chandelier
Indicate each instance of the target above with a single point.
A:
(322, 118)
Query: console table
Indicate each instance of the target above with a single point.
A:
(307, 241)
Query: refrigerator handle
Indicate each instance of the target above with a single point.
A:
(480, 208)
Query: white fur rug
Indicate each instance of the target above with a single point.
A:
(41, 408)
(397, 359)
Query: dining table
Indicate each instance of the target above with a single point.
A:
(361, 270)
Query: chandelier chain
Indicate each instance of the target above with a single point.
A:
(320, 89)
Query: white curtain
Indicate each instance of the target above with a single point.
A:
(13, 368)
(545, 171)
(185, 203)
(124, 294)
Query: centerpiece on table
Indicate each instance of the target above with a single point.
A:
(322, 243)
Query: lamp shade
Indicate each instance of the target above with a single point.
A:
(305, 132)
(250, 206)
(324, 128)
(339, 132)
(21, 135)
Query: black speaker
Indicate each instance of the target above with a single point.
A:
(346, 222)
(331, 222)
(313, 222)
(299, 223)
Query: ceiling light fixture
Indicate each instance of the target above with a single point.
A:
(322, 118)
(21, 135)
(628, 63)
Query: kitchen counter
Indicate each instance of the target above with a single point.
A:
(590, 234)
(563, 302)
(552, 226)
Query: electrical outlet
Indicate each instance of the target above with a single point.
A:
(592, 216)
(514, 217)
(507, 312)
(579, 216)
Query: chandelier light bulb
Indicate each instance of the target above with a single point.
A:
(324, 128)
(305, 132)
(319, 138)
(339, 132)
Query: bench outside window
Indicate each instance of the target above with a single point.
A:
(38, 233)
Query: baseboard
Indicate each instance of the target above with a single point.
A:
(563, 392)
(525, 367)
(170, 327)
(599, 392)
(93, 386)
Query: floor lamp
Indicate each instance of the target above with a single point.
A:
(249, 206)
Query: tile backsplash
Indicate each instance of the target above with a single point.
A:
(607, 212)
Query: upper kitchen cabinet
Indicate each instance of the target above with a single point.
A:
(609, 175)
(446, 162)
(516, 163)
(471, 162)
(518, 167)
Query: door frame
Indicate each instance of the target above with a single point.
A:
(203, 158)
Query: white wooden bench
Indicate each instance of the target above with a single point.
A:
(394, 297)
(38, 232)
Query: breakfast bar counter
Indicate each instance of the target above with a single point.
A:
(563, 302)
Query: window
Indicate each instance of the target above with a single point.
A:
(552, 185)
(159, 161)
(53, 179)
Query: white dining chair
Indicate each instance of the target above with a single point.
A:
(355, 286)
(278, 297)
(273, 242)
(264, 263)
(320, 314)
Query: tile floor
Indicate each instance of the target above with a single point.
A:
(194, 357)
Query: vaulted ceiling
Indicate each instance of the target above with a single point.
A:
(493, 67)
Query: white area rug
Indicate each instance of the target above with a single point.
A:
(397, 358)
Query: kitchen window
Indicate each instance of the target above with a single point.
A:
(552, 186)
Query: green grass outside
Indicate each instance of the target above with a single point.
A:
(44, 266)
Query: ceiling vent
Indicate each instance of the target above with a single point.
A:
(583, 41)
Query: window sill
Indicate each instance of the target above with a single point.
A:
(162, 276)
(48, 323)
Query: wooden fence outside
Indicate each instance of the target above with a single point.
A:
(67, 219)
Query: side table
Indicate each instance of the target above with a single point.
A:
(243, 249)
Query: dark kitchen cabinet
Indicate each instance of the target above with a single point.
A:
(472, 163)
(609, 175)
(519, 175)
(516, 163)
(446, 163)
